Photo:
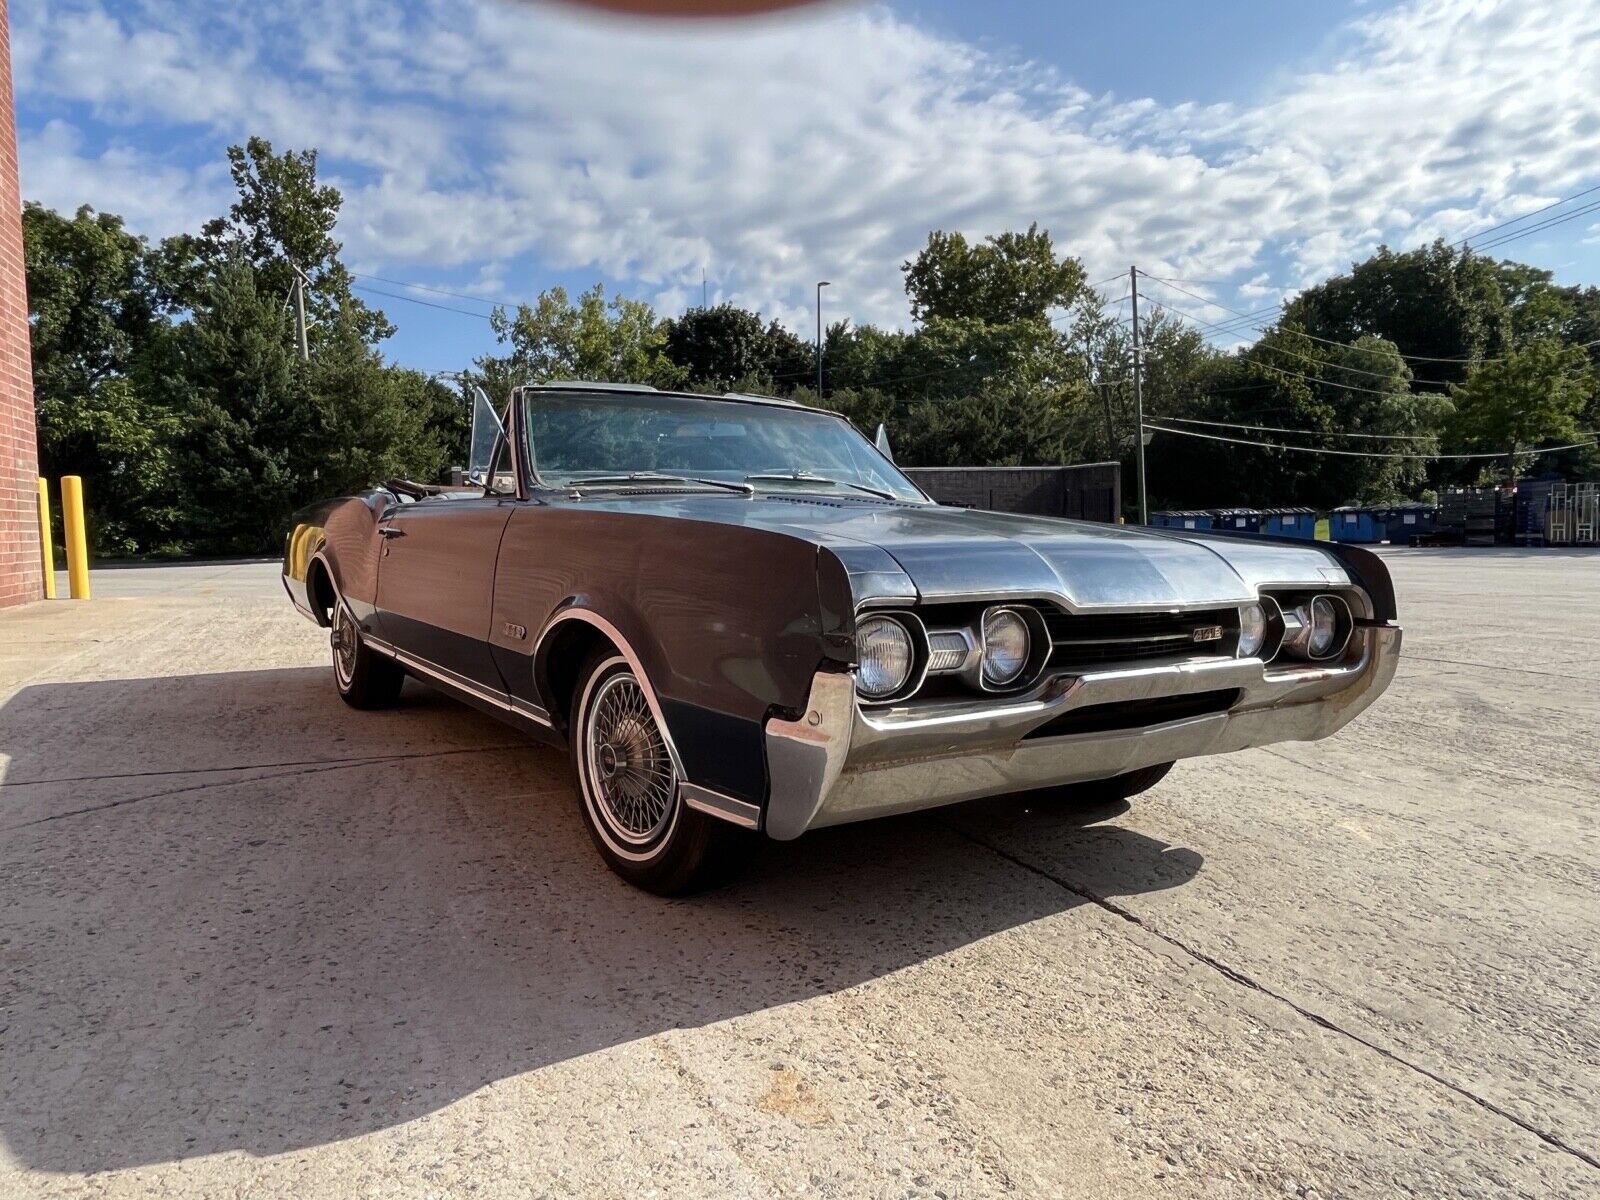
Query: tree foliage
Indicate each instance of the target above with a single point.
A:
(169, 376)
(607, 341)
(728, 347)
(1531, 396)
(1004, 279)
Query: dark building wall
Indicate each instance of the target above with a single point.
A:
(1092, 492)
(21, 574)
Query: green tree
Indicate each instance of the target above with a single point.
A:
(721, 347)
(616, 341)
(95, 315)
(1531, 396)
(1006, 278)
(283, 220)
(248, 427)
(716, 346)
(1441, 305)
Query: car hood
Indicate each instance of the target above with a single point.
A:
(930, 552)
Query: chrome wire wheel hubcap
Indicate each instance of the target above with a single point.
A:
(634, 783)
(344, 644)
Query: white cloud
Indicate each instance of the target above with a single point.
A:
(466, 135)
(151, 196)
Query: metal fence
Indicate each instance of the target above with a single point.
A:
(1572, 515)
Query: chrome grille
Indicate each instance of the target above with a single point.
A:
(1080, 640)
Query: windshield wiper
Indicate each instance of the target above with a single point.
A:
(655, 477)
(807, 477)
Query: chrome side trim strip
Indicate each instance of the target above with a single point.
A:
(532, 712)
(715, 804)
(460, 683)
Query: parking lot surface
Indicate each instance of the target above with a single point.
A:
(253, 942)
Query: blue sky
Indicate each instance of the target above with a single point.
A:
(493, 149)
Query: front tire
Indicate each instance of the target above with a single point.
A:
(628, 788)
(365, 678)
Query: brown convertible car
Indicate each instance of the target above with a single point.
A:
(741, 617)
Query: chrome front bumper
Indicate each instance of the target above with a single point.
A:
(838, 763)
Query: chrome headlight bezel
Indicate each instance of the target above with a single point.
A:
(1015, 621)
(1038, 649)
(1300, 627)
(916, 642)
(1254, 629)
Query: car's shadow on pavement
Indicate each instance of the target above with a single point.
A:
(236, 915)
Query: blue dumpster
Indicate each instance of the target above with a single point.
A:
(1183, 518)
(1359, 524)
(1412, 519)
(1245, 520)
(1290, 522)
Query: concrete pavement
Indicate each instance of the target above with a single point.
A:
(253, 942)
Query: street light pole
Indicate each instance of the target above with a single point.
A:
(1138, 398)
(824, 283)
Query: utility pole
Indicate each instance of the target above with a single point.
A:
(1138, 400)
(300, 314)
(824, 283)
(1105, 400)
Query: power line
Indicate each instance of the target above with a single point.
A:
(438, 291)
(1548, 223)
(1313, 337)
(1525, 216)
(1217, 437)
(1390, 437)
(1320, 362)
(1349, 387)
(425, 303)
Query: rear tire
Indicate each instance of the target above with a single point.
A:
(628, 788)
(1117, 788)
(365, 678)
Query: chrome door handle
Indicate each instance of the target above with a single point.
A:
(389, 531)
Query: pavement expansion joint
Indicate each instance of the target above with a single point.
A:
(314, 769)
(1243, 980)
(353, 761)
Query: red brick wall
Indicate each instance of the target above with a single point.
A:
(21, 577)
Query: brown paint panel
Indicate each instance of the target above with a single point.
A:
(723, 618)
(435, 580)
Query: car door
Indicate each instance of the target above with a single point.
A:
(436, 583)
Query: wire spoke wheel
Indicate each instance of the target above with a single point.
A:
(345, 643)
(630, 771)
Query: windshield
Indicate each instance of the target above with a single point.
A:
(604, 439)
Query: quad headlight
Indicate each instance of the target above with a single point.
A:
(1006, 645)
(1324, 625)
(886, 656)
(1252, 630)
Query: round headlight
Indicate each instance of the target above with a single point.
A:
(1005, 646)
(1252, 630)
(884, 647)
(1324, 623)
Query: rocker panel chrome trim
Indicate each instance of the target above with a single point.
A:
(460, 683)
(715, 804)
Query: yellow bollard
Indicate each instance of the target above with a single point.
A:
(47, 550)
(77, 537)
